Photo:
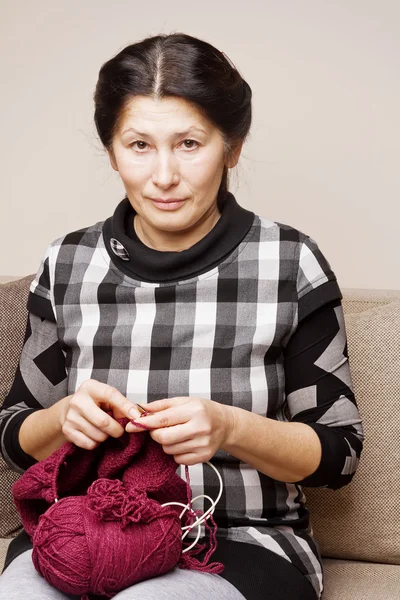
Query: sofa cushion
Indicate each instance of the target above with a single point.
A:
(4, 543)
(355, 301)
(350, 580)
(360, 521)
(13, 314)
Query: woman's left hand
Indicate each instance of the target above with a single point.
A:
(192, 429)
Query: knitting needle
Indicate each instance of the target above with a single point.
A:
(143, 413)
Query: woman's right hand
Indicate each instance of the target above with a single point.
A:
(83, 419)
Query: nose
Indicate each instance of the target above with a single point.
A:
(165, 172)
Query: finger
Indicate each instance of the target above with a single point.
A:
(109, 397)
(91, 412)
(165, 403)
(173, 435)
(168, 417)
(79, 423)
(80, 439)
(94, 396)
(134, 412)
(132, 428)
(189, 446)
(190, 458)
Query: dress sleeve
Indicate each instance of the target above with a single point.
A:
(40, 379)
(319, 390)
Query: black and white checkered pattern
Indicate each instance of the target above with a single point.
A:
(219, 335)
(118, 249)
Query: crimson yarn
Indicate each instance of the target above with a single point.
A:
(95, 516)
(105, 541)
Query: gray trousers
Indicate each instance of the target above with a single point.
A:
(21, 581)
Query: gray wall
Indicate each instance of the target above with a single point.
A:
(325, 145)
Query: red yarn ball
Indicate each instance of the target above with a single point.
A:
(106, 541)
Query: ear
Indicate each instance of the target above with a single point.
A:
(233, 159)
(113, 162)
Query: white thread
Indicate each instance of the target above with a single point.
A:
(204, 516)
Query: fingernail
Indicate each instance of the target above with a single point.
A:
(133, 412)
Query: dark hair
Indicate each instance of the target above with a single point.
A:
(175, 65)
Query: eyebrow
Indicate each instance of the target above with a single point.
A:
(178, 134)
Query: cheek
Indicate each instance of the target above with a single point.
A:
(202, 169)
(132, 173)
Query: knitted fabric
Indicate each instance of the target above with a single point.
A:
(95, 516)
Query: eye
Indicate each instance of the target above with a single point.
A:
(137, 142)
(192, 141)
(144, 144)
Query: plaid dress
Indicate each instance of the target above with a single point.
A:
(230, 334)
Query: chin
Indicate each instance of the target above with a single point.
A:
(172, 225)
(171, 220)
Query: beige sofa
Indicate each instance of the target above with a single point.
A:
(358, 527)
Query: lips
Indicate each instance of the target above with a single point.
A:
(167, 200)
(168, 204)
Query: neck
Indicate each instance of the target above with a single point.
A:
(175, 241)
(148, 264)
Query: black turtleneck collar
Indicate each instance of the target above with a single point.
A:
(139, 261)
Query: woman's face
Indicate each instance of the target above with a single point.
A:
(170, 159)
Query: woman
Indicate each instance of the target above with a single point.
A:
(229, 325)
